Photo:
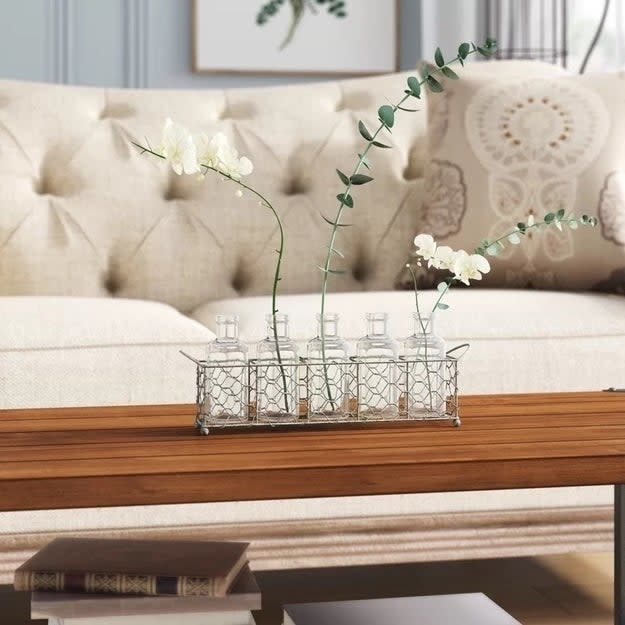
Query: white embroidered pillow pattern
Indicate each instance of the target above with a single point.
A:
(533, 141)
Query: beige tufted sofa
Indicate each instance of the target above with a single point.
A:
(109, 264)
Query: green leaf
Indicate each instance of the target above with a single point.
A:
(346, 199)
(364, 160)
(450, 73)
(442, 306)
(358, 179)
(494, 249)
(549, 218)
(415, 86)
(438, 57)
(381, 145)
(560, 213)
(407, 110)
(333, 223)
(485, 52)
(573, 225)
(343, 177)
(514, 238)
(434, 85)
(463, 51)
(387, 115)
(522, 227)
(333, 251)
(336, 272)
(364, 132)
(441, 286)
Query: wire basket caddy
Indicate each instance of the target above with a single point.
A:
(308, 393)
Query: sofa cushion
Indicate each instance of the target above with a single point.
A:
(92, 351)
(507, 145)
(135, 229)
(521, 341)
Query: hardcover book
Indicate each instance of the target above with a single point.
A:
(466, 609)
(210, 618)
(138, 567)
(243, 596)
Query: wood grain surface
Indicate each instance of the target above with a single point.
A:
(109, 456)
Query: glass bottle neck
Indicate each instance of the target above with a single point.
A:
(328, 326)
(227, 328)
(377, 325)
(281, 327)
(423, 325)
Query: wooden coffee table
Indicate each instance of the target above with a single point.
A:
(115, 456)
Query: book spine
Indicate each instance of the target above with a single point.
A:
(116, 583)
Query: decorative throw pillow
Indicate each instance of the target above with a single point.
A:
(510, 140)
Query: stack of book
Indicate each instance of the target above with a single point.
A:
(83, 581)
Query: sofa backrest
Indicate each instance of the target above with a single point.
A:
(83, 213)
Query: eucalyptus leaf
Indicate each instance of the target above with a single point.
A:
(358, 179)
(387, 115)
(463, 50)
(450, 73)
(441, 286)
(415, 86)
(438, 57)
(493, 250)
(549, 218)
(346, 199)
(381, 145)
(434, 85)
(573, 225)
(343, 177)
(334, 224)
(514, 238)
(364, 131)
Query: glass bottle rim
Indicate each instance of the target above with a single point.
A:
(279, 317)
(376, 316)
(226, 318)
(329, 316)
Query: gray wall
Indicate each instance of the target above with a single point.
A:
(129, 43)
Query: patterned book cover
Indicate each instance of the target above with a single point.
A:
(134, 567)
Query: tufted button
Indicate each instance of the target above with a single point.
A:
(117, 110)
(361, 270)
(354, 101)
(414, 168)
(111, 284)
(240, 279)
(296, 186)
(61, 186)
(176, 189)
(238, 110)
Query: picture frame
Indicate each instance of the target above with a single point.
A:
(226, 38)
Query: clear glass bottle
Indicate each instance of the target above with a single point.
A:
(378, 373)
(277, 374)
(424, 370)
(226, 374)
(328, 379)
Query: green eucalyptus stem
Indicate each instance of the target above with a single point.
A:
(280, 251)
(386, 116)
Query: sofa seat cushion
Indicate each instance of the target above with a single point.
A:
(66, 351)
(521, 341)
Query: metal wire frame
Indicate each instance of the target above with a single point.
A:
(231, 395)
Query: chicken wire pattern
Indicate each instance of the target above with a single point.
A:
(337, 392)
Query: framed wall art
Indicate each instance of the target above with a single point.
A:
(347, 37)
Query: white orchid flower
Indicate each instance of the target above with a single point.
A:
(219, 154)
(426, 246)
(178, 147)
(444, 258)
(469, 267)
